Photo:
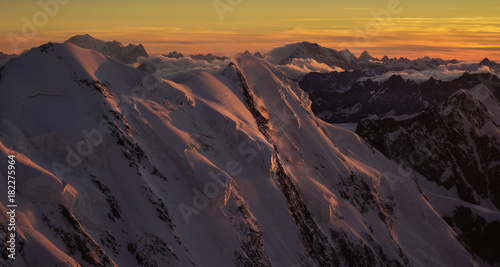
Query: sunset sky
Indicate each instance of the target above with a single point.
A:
(439, 28)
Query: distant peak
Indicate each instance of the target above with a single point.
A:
(83, 37)
(115, 49)
(484, 62)
(246, 53)
(396, 79)
(365, 56)
(307, 43)
(174, 54)
(258, 55)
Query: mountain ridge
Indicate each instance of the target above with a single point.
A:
(239, 154)
(115, 50)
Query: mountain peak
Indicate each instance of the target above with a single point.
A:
(348, 55)
(246, 54)
(306, 50)
(484, 62)
(258, 55)
(86, 41)
(83, 37)
(310, 45)
(174, 54)
(365, 56)
(114, 49)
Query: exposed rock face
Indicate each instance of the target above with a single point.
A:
(457, 146)
(395, 96)
(330, 82)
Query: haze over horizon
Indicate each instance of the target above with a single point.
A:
(405, 28)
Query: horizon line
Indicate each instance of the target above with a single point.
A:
(242, 50)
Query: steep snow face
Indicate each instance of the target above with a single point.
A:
(115, 50)
(116, 167)
(456, 146)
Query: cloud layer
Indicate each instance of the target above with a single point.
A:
(298, 67)
(179, 69)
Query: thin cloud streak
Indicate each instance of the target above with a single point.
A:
(461, 38)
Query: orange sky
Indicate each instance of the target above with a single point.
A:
(448, 29)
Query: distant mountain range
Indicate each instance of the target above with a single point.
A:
(208, 57)
(348, 61)
(115, 50)
(341, 97)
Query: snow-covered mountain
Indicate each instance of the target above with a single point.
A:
(117, 167)
(457, 147)
(348, 61)
(115, 50)
(306, 50)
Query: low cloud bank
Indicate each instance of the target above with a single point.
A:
(444, 73)
(299, 67)
(179, 69)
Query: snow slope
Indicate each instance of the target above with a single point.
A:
(116, 167)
